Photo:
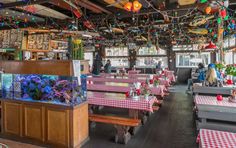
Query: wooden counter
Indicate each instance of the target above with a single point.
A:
(59, 125)
(55, 67)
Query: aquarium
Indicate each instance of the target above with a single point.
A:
(44, 88)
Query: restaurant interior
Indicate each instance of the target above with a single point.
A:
(117, 73)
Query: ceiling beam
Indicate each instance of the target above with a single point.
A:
(92, 6)
(21, 3)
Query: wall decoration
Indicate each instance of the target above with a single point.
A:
(38, 41)
(11, 38)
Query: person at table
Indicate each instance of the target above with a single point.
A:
(213, 77)
(159, 67)
(107, 67)
(97, 65)
(198, 76)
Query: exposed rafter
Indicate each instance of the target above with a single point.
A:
(22, 3)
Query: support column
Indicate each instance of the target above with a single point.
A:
(220, 40)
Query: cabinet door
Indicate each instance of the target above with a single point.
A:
(12, 118)
(34, 122)
(57, 126)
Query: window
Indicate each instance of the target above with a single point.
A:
(89, 56)
(228, 57)
(151, 62)
(151, 51)
(192, 59)
(118, 62)
(116, 51)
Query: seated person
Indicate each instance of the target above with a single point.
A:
(107, 67)
(198, 76)
(213, 77)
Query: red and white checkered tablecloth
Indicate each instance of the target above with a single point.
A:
(134, 71)
(115, 100)
(125, 80)
(159, 90)
(216, 139)
(211, 100)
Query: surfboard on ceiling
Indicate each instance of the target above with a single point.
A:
(117, 3)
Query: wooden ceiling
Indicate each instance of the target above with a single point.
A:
(106, 16)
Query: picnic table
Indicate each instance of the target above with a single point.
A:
(213, 114)
(137, 108)
(216, 139)
(123, 88)
(162, 81)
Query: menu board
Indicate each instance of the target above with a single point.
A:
(11, 38)
(38, 41)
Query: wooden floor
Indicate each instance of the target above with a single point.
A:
(171, 127)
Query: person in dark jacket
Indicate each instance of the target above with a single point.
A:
(107, 67)
(97, 64)
(198, 76)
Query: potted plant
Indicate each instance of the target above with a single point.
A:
(145, 91)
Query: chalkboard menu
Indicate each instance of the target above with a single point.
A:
(11, 38)
(38, 41)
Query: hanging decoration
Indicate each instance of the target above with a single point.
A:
(219, 20)
(128, 6)
(221, 30)
(223, 13)
(208, 10)
(203, 1)
(211, 46)
(135, 6)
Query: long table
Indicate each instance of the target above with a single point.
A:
(216, 139)
(216, 115)
(162, 81)
(123, 88)
(120, 101)
(169, 74)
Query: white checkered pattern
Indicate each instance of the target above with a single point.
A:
(216, 139)
(211, 100)
(160, 90)
(101, 99)
(125, 80)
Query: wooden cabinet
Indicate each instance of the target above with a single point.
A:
(52, 124)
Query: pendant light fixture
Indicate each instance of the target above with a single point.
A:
(211, 46)
(135, 6)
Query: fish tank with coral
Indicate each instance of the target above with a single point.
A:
(44, 88)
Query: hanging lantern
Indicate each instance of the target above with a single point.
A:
(223, 13)
(128, 6)
(211, 46)
(221, 30)
(218, 20)
(136, 6)
(208, 10)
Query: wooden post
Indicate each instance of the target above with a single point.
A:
(220, 40)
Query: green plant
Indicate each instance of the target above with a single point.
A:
(220, 66)
(231, 70)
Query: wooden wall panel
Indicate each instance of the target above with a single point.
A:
(63, 68)
(57, 119)
(34, 122)
(83, 123)
(12, 118)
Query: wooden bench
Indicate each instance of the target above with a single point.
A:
(121, 124)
